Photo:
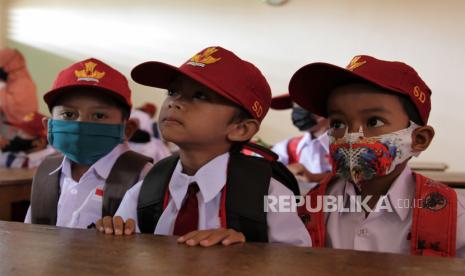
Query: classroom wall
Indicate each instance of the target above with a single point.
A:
(3, 10)
(429, 35)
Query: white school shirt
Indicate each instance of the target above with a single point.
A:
(314, 155)
(382, 231)
(80, 204)
(285, 227)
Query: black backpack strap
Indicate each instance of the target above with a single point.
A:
(46, 191)
(279, 171)
(248, 184)
(282, 174)
(152, 192)
(123, 175)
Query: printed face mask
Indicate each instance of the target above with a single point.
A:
(84, 142)
(358, 158)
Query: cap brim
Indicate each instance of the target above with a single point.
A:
(51, 96)
(312, 84)
(281, 102)
(161, 75)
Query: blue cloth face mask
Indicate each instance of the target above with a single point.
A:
(83, 142)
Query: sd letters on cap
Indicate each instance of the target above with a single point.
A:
(218, 69)
(91, 73)
(311, 85)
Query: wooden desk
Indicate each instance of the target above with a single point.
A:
(15, 186)
(428, 166)
(32, 249)
(452, 179)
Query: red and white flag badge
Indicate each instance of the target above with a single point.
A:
(99, 192)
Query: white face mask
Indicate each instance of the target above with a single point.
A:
(358, 158)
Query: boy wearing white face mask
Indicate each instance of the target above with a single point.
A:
(378, 112)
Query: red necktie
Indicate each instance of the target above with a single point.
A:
(188, 216)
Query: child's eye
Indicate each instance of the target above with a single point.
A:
(375, 122)
(68, 115)
(337, 124)
(99, 116)
(200, 95)
(172, 93)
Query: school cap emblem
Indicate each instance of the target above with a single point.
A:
(29, 117)
(355, 63)
(204, 58)
(89, 73)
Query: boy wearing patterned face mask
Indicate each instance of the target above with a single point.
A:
(378, 112)
(90, 104)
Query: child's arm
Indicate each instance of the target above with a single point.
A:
(207, 238)
(303, 175)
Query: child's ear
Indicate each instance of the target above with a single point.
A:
(422, 137)
(131, 127)
(243, 131)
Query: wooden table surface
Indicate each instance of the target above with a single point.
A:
(33, 249)
(15, 187)
(452, 179)
(15, 176)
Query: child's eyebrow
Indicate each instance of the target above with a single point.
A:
(375, 110)
(101, 106)
(335, 112)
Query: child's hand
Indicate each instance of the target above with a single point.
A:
(207, 238)
(116, 225)
(303, 175)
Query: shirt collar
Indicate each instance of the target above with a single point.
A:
(401, 193)
(305, 141)
(401, 190)
(210, 178)
(324, 141)
(102, 167)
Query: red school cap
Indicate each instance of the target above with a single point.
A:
(149, 108)
(91, 73)
(281, 102)
(311, 85)
(218, 69)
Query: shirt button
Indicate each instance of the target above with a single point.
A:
(73, 191)
(363, 232)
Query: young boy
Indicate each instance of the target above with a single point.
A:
(29, 148)
(307, 155)
(215, 104)
(378, 112)
(90, 104)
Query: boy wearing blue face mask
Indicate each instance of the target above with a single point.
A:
(378, 112)
(90, 104)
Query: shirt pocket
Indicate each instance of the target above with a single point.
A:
(90, 211)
